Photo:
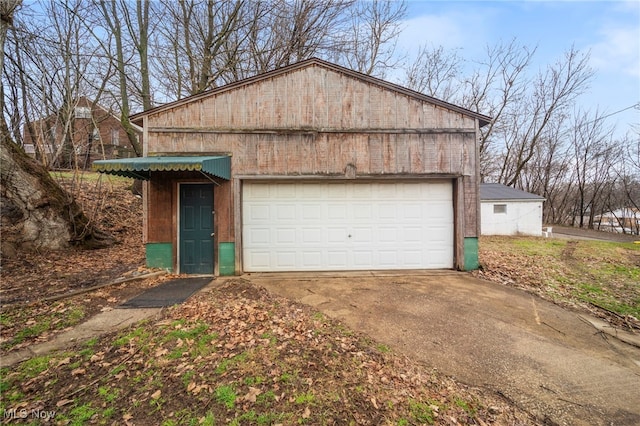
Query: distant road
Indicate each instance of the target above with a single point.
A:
(590, 234)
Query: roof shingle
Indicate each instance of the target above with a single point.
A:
(498, 191)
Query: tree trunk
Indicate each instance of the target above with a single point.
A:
(37, 214)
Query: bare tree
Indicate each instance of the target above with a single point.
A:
(498, 88)
(49, 56)
(110, 12)
(291, 31)
(594, 156)
(7, 10)
(192, 41)
(435, 72)
(627, 178)
(553, 92)
(205, 43)
(369, 40)
(36, 212)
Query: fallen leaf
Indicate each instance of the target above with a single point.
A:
(156, 394)
(252, 394)
(63, 402)
(99, 356)
(307, 413)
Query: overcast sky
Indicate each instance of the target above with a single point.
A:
(610, 30)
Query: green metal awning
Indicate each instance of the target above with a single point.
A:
(141, 167)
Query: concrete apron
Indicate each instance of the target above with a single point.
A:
(552, 362)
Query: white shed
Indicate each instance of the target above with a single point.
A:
(509, 211)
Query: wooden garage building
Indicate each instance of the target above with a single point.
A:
(311, 167)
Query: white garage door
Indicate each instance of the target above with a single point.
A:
(347, 226)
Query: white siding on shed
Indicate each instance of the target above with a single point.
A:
(520, 218)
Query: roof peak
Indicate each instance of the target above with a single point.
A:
(483, 119)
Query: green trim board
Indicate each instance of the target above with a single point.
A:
(159, 255)
(227, 258)
(471, 260)
(141, 167)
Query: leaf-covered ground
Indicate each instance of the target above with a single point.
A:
(238, 355)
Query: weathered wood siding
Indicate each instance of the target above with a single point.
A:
(330, 153)
(313, 98)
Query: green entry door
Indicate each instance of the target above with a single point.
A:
(196, 229)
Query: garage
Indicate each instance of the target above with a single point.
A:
(344, 225)
(312, 167)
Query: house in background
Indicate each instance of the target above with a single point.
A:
(626, 220)
(93, 133)
(509, 211)
(311, 167)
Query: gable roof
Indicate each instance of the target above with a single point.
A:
(500, 192)
(482, 119)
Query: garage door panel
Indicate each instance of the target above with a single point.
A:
(362, 235)
(257, 212)
(285, 212)
(311, 212)
(362, 211)
(387, 212)
(333, 191)
(285, 236)
(312, 259)
(259, 259)
(387, 235)
(285, 260)
(287, 191)
(336, 235)
(337, 260)
(258, 191)
(347, 226)
(413, 259)
(337, 212)
(258, 236)
(362, 259)
(312, 236)
(388, 259)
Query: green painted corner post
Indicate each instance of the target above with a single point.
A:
(227, 258)
(159, 255)
(471, 260)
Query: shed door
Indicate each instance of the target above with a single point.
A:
(196, 229)
(347, 226)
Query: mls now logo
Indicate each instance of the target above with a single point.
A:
(23, 413)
